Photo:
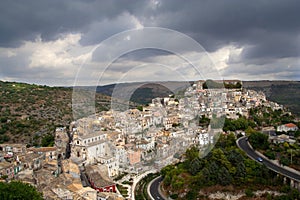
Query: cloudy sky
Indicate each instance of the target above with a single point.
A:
(56, 42)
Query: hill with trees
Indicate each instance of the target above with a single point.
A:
(225, 169)
(30, 113)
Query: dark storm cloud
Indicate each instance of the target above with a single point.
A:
(256, 23)
(267, 31)
(263, 25)
(24, 20)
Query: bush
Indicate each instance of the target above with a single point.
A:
(284, 161)
(191, 195)
(4, 177)
(174, 196)
(48, 141)
(249, 193)
(270, 154)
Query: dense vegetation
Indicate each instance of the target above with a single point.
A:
(224, 167)
(238, 124)
(210, 84)
(258, 140)
(30, 113)
(18, 190)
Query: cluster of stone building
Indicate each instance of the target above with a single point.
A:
(135, 141)
(98, 148)
(52, 172)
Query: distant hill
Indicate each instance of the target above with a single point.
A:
(286, 93)
(28, 111)
(144, 92)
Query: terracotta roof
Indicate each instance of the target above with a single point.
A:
(93, 172)
(290, 125)
(75, 187)
(42, 149)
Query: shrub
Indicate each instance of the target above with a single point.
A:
(249, 193)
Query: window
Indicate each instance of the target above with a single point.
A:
(77, 142)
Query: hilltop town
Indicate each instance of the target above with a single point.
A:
(95, 153)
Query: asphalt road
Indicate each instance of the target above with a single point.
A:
(243, 144)
(154, 189)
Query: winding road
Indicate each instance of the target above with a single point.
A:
(154, 185)
(245, 146)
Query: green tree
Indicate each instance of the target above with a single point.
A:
(204, 121)
(297, 134)
(192, 153)
(224, 177)
(18, 190)
(140, 108)
(270, 154)
(48, 140)
(249, 193)
(210, 84)
(195, 166)
(192, 194)
(259, 140)
(166, 170)
(284, 161)
(178, 184)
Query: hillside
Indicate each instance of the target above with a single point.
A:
(144, 92)
(29, 112)
(286, 93)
